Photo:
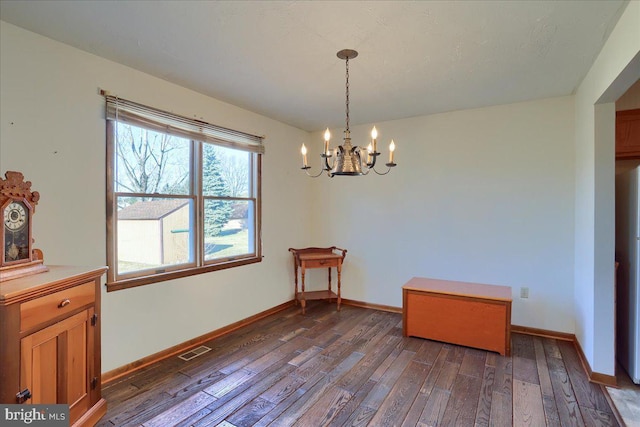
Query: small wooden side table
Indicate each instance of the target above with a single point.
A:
(317, 258)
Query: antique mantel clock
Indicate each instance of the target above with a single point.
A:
(17, 204)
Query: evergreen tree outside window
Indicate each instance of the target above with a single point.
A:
(183, 196)
(217, 211)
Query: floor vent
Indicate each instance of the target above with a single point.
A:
(192, 354)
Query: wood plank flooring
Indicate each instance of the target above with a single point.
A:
(354, 368)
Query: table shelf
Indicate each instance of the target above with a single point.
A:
(315, 295)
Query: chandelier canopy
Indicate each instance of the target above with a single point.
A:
(347, 159)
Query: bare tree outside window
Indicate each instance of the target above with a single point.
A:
(151, 162)
(235, 171)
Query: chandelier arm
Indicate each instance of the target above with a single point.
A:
(306, 170)
(383, 173)
(373, 161)
(327, 167)
(389, 166)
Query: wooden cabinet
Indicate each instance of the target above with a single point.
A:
(50, 340)
(628, 134)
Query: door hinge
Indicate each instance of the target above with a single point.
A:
(94, 319)
(23, 396)
(94, 383)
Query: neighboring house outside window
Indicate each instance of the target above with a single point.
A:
(162, 224)
(183, 196)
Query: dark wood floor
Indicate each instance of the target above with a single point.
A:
(354, 368)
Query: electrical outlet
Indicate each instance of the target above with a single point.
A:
(524, 292)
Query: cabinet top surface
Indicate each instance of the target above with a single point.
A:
(58, 276)
(449, 287)
(315, 256)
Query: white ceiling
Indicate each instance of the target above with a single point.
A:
(278, 58)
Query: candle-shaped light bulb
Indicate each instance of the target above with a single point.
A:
(327, 137)
(374, 135)
(303, 150)
(392, 148)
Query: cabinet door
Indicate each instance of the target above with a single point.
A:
(54, 363)
(628, 134)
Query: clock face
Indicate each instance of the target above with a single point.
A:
(16, 232)
(15, 216)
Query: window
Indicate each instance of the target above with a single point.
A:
(183, 196)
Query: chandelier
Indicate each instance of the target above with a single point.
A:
(347, 159)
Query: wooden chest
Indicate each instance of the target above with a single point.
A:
(469, 314)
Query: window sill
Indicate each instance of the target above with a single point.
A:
(147, 280)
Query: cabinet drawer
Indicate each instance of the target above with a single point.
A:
(320, 263)
(39, 310)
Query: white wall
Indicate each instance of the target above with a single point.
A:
(482, 195)
(614, 71)
(52, 129)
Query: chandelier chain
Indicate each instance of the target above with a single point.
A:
(347, 94)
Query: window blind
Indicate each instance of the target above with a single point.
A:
(133, 113)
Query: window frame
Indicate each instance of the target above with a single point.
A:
(199, 265)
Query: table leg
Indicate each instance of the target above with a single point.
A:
(329, 287)
(339, 268)
(303, 303)
(295, 280)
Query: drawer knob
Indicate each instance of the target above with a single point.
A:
(64, 303)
